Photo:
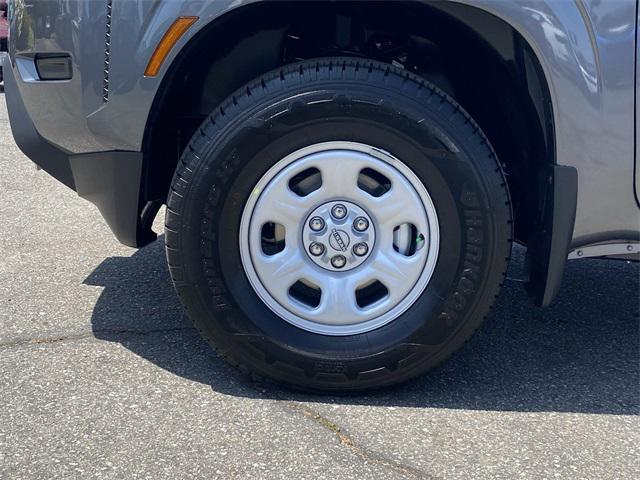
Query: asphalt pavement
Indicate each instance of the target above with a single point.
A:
(103, 376)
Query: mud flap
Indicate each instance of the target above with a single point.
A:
(549, 246)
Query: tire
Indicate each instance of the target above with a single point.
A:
(352, 102)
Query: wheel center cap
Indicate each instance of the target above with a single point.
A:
(338, 235)
(339, 240)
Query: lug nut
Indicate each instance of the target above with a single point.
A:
(339, 211)
(316, 224)
(361, 249)
(338, 261)
(316, 249)
(360, 224)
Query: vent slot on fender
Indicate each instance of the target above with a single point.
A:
(107, 54)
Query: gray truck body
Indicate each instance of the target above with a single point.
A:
(89, 131)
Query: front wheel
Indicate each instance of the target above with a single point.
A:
(338, 225)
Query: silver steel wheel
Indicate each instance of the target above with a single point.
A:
(339, 238)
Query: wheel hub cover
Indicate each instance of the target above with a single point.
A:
(338, 235)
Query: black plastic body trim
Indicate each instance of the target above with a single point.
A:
(548, 249)
(110, 180)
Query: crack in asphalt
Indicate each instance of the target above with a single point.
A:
(347, 441)
(92, 334)
(296, 407)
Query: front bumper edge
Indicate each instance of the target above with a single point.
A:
(110, 180)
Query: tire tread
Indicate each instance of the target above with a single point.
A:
(290, 77)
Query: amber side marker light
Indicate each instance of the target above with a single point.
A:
(170, 38)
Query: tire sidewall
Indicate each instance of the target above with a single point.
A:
(454, 168)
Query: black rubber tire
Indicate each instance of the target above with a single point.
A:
(349, 100)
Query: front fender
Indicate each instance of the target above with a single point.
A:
(587, 52)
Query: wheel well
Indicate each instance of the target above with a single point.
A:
(475, 57)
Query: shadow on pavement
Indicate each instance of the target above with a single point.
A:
(580, 355)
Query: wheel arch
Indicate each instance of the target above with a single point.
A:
(530, 76)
